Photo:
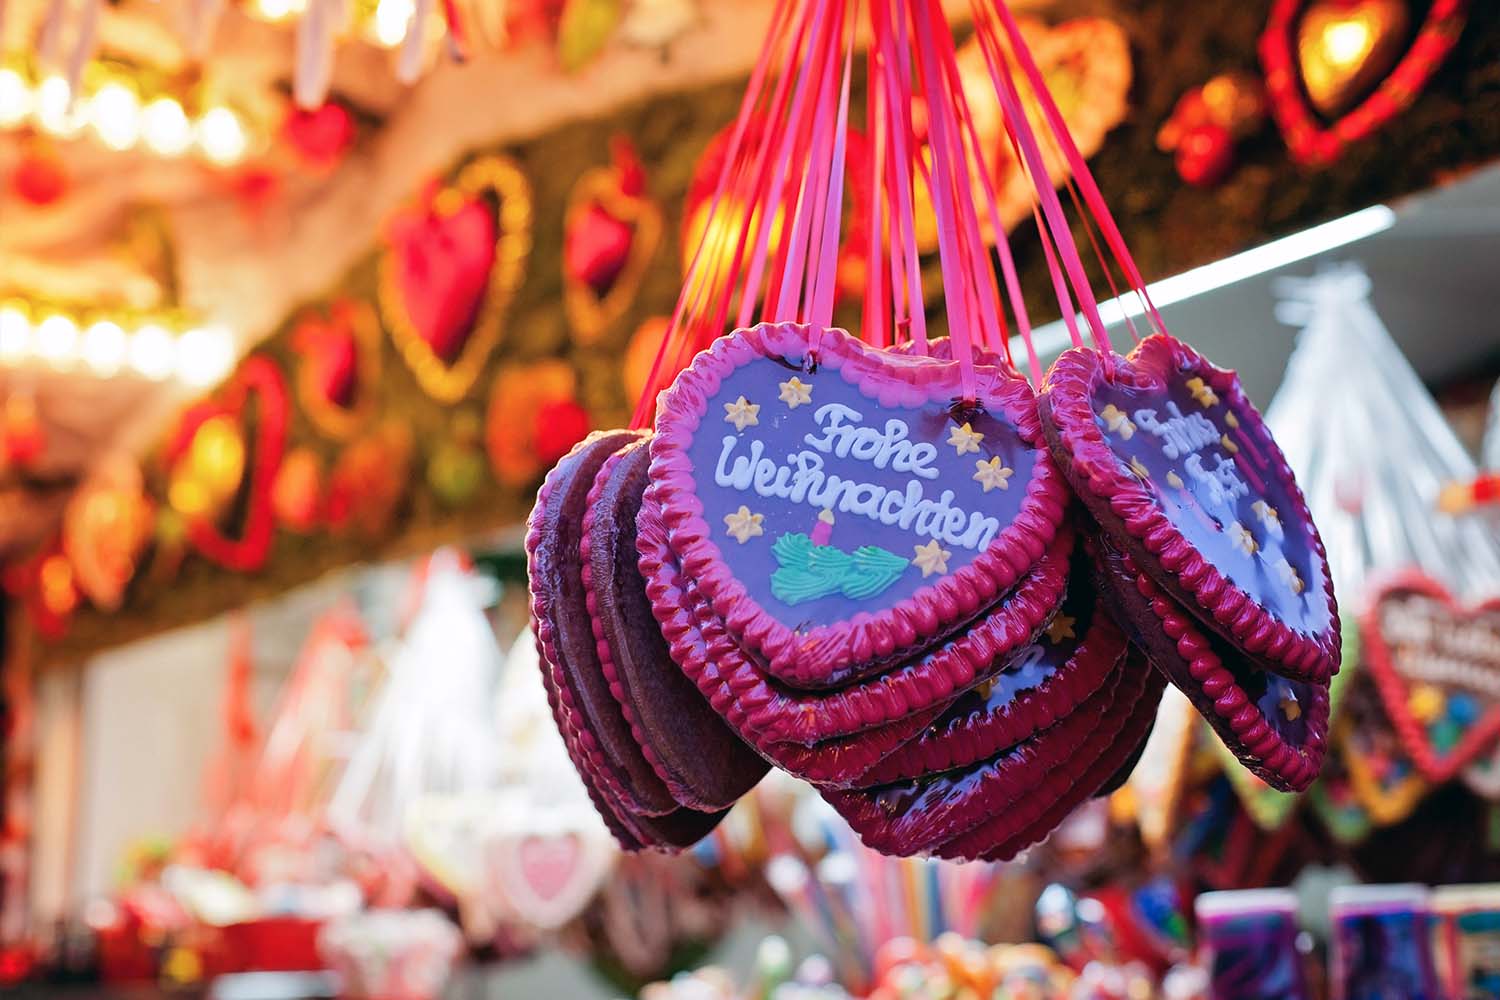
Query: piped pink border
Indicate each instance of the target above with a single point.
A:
(945, 747)
(825, 654)
(1098, 474)
(755, 704)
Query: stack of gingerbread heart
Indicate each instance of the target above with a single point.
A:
(946, 678)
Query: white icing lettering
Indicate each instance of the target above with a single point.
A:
(1224, 485)
(1180, 433)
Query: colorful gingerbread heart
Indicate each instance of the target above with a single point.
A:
(1437, 665)
(945, 503)
(1177, 467)
(1276, 727)
(703, 764)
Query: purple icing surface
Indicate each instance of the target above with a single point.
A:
(1230, 504)
(780, 439)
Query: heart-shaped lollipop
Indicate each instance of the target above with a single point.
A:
(1175, 464)
(780, 435)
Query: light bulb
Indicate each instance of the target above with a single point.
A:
(166, 128)
(204, 356)
(392, 18)
(55, 111)
(114, 112)
(221, 136)
(15, 98)
(105, 347)
(57, 340)
(152, 352)
(15, 333)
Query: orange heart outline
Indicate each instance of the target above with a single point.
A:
(1384, 807)
(588, 314)
(501, 177)
(335, 421)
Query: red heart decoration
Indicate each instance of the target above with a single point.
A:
(453, 262)
(321, 136)
(260, 379)
(340, 366)
(1314, 143)
(443, 261)
(1437, 664)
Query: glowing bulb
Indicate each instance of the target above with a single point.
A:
(57, 340)
(115, 114)
(392, 18)
(279, 10)
(152, 352)
(204, 355)
(1347, 42)
(221, 136)
(166, 128)
(55, 110)
(15, 333)
(105, 347)
(15, 98)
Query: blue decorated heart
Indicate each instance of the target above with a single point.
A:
(841, 506)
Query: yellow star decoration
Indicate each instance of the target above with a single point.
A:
(1139, 468)
(1291, 708)
(1231, 419)
(1267, 514)
(1060, 629)
(992, 474)
(1202, 393)
(795, 392)
(1116, 420)
(1242, 539)
(931, 558)
(1229, 445)
(1290, 576)
(965, 439)
(743, 525)
(742, 413)
(1174, 480)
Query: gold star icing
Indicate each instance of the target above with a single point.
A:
(1267, 514)
(992, 474)
(1242, 539)
(1290, 576)
(1139, 468)
(1174, 480)
(743, 525)
(1231, 419)
(742, 413)
(965, 439)
(1229, 445)
(1060, 629)
(1117, 422)
(1291, 708)
(931, 558)
(1202, 393)
(795, 392)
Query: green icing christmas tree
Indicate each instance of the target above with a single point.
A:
(810, 568)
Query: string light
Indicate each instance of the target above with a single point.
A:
(116, 116)
(114, 113)
(152, 352)
(199, 356)
(279, 10)
(392, 18)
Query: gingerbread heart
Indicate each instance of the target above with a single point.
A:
(611, 230)
(548, 878)
(779, 438)
(1369, 25)
(1047, 680)
(339, 368)
(1177, 467)
(1277, 727)
(1437, 665)
(453, 264)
